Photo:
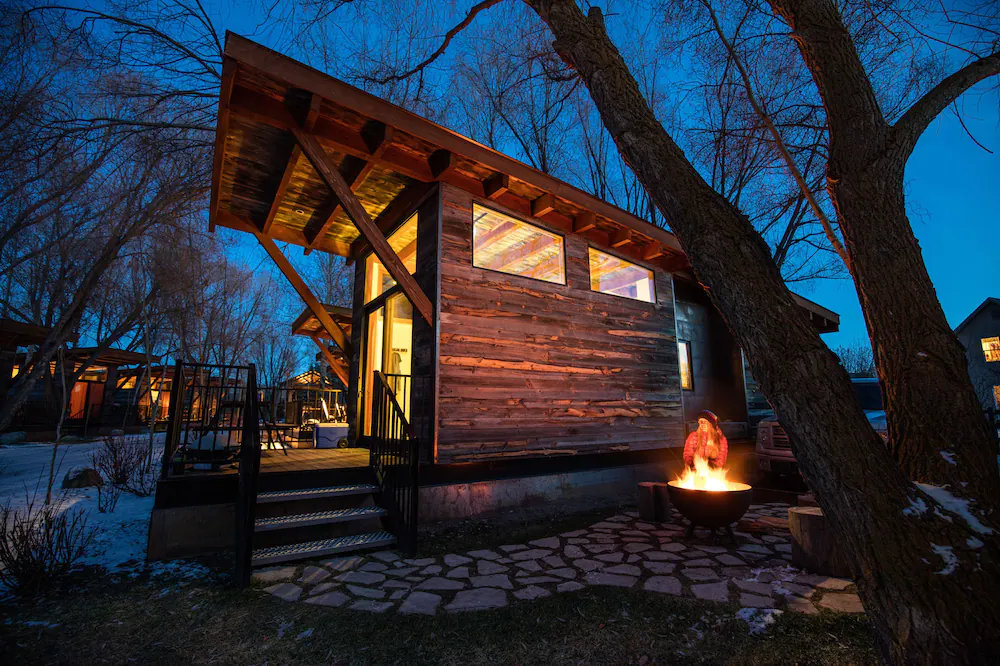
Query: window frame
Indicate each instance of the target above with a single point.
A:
(690, 364)
(652, 272)
(363, 259)
(983, 342)
(516, 218)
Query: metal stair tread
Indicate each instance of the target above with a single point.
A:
(317, 518)
(311, 549)
(315, 493)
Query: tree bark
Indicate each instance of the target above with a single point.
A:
(928, 578)
(937, 431)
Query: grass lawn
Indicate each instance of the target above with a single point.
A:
(152, 623)
(100, 619)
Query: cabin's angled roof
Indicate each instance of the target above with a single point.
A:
(975, 313)
(263, 183)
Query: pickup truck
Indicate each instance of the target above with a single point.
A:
(774, 450)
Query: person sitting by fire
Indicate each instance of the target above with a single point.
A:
(707, 442)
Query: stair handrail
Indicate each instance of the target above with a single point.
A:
(395, 460)
(248, 477)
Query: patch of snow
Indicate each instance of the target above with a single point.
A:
(758, 619)
(955, 505)
(120, 538)
(949, 456)
(305, 634)
(918, 507)
(946, 554)
(973, 542)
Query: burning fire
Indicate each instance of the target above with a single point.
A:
(703, 477)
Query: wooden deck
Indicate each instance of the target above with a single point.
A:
(300, 460)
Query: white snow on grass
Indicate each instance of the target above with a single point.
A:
(973, 542)
(955, 505)
(120, 537)
(949, 456)
(758, 619)
(918, 507)
(949, 557)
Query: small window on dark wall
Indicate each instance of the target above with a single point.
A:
(503, 243)
(611, 275)
(684, 364)
(991, 349)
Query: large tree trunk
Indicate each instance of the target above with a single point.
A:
(937, 430)
(928, 604)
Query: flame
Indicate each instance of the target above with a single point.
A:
(703, 477)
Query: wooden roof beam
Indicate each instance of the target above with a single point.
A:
(334, 330)
(377, 137)
(229, 67)
(279, 194)
(442, 164)
(652, 251)
(260, 108)
(584, 222)
(496, 185)
(621, 238)
(337, 365)
(404, 203)
(329, 173)
(280, 233)
(543, 205)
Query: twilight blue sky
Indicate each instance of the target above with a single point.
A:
(953, 198)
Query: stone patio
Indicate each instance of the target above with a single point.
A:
(621, 551)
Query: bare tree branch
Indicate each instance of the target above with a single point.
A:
(912, 124)
(448, 37)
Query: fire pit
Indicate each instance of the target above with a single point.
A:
(707, 499)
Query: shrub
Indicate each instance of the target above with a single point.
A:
(107, 497)
(118, 459)
(38, 546)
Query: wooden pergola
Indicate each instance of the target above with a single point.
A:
(306, 159)
(309, 325)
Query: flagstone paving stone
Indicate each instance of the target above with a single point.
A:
(420, 603)
(712, 591)
(274, 574)
(285, 591)
(664, 584)
(620, 551)
(482, 598)
(496, 580)
(843, 602)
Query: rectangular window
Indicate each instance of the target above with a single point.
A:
(502, 243)
(611, 275)
(684, 362)
(996, 397)
(991, 349)
(404, 242)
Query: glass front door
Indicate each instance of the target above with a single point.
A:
(389, 349)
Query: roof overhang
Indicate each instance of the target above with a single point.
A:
(262, 183)
(109, 357)
(825, 321)
(308, 325)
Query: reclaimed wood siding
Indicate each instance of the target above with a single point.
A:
(528, 368)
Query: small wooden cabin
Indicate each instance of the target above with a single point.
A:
(527, 326)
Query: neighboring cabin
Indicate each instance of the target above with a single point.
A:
(979, 333)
